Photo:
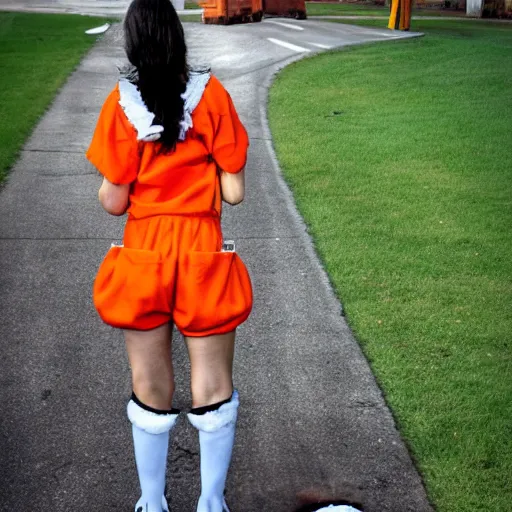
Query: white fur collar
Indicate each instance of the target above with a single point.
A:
(142, 119)
(196, 85)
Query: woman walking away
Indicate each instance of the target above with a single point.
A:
(171, 147)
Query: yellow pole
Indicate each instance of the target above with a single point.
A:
(394, 14)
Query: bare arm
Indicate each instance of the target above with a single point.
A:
(114, 198)
(232, 186)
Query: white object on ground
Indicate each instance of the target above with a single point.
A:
(98, 30)
(338, 508)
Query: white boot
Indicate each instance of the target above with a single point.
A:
(216, 439)
(150, 429)
(338, 508)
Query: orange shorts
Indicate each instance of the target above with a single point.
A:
(171, 269)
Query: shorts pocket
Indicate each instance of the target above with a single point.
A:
(214, 293)
(128, 290)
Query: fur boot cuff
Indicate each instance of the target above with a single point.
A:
(150, 422)
(214, 420)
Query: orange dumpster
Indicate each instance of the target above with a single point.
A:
(225, 12)
(291, 8)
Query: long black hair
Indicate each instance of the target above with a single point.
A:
(155, 47)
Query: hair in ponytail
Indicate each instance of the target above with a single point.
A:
(155, 47)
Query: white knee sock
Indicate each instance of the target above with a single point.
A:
(216, 439)
(150, 429)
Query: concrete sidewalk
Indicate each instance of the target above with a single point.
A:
(311, 412)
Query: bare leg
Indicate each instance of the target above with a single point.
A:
(150, 358)
(150, 411)
(211, 368)
(211, 361)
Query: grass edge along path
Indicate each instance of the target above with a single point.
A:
(399, 161)
(37, 54)
(369, 9)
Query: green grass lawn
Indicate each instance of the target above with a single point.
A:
(37, 53)
(191, 18)
(349, 9)
(366, 9)
(399, 155)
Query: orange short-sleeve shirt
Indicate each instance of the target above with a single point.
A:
(183, 181)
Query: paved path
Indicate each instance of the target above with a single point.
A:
(311, 411)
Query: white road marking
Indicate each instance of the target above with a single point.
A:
(361, 31)
(375, 33)
(324, 46)
(385, 34)
(290, 46)
(287, 25)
